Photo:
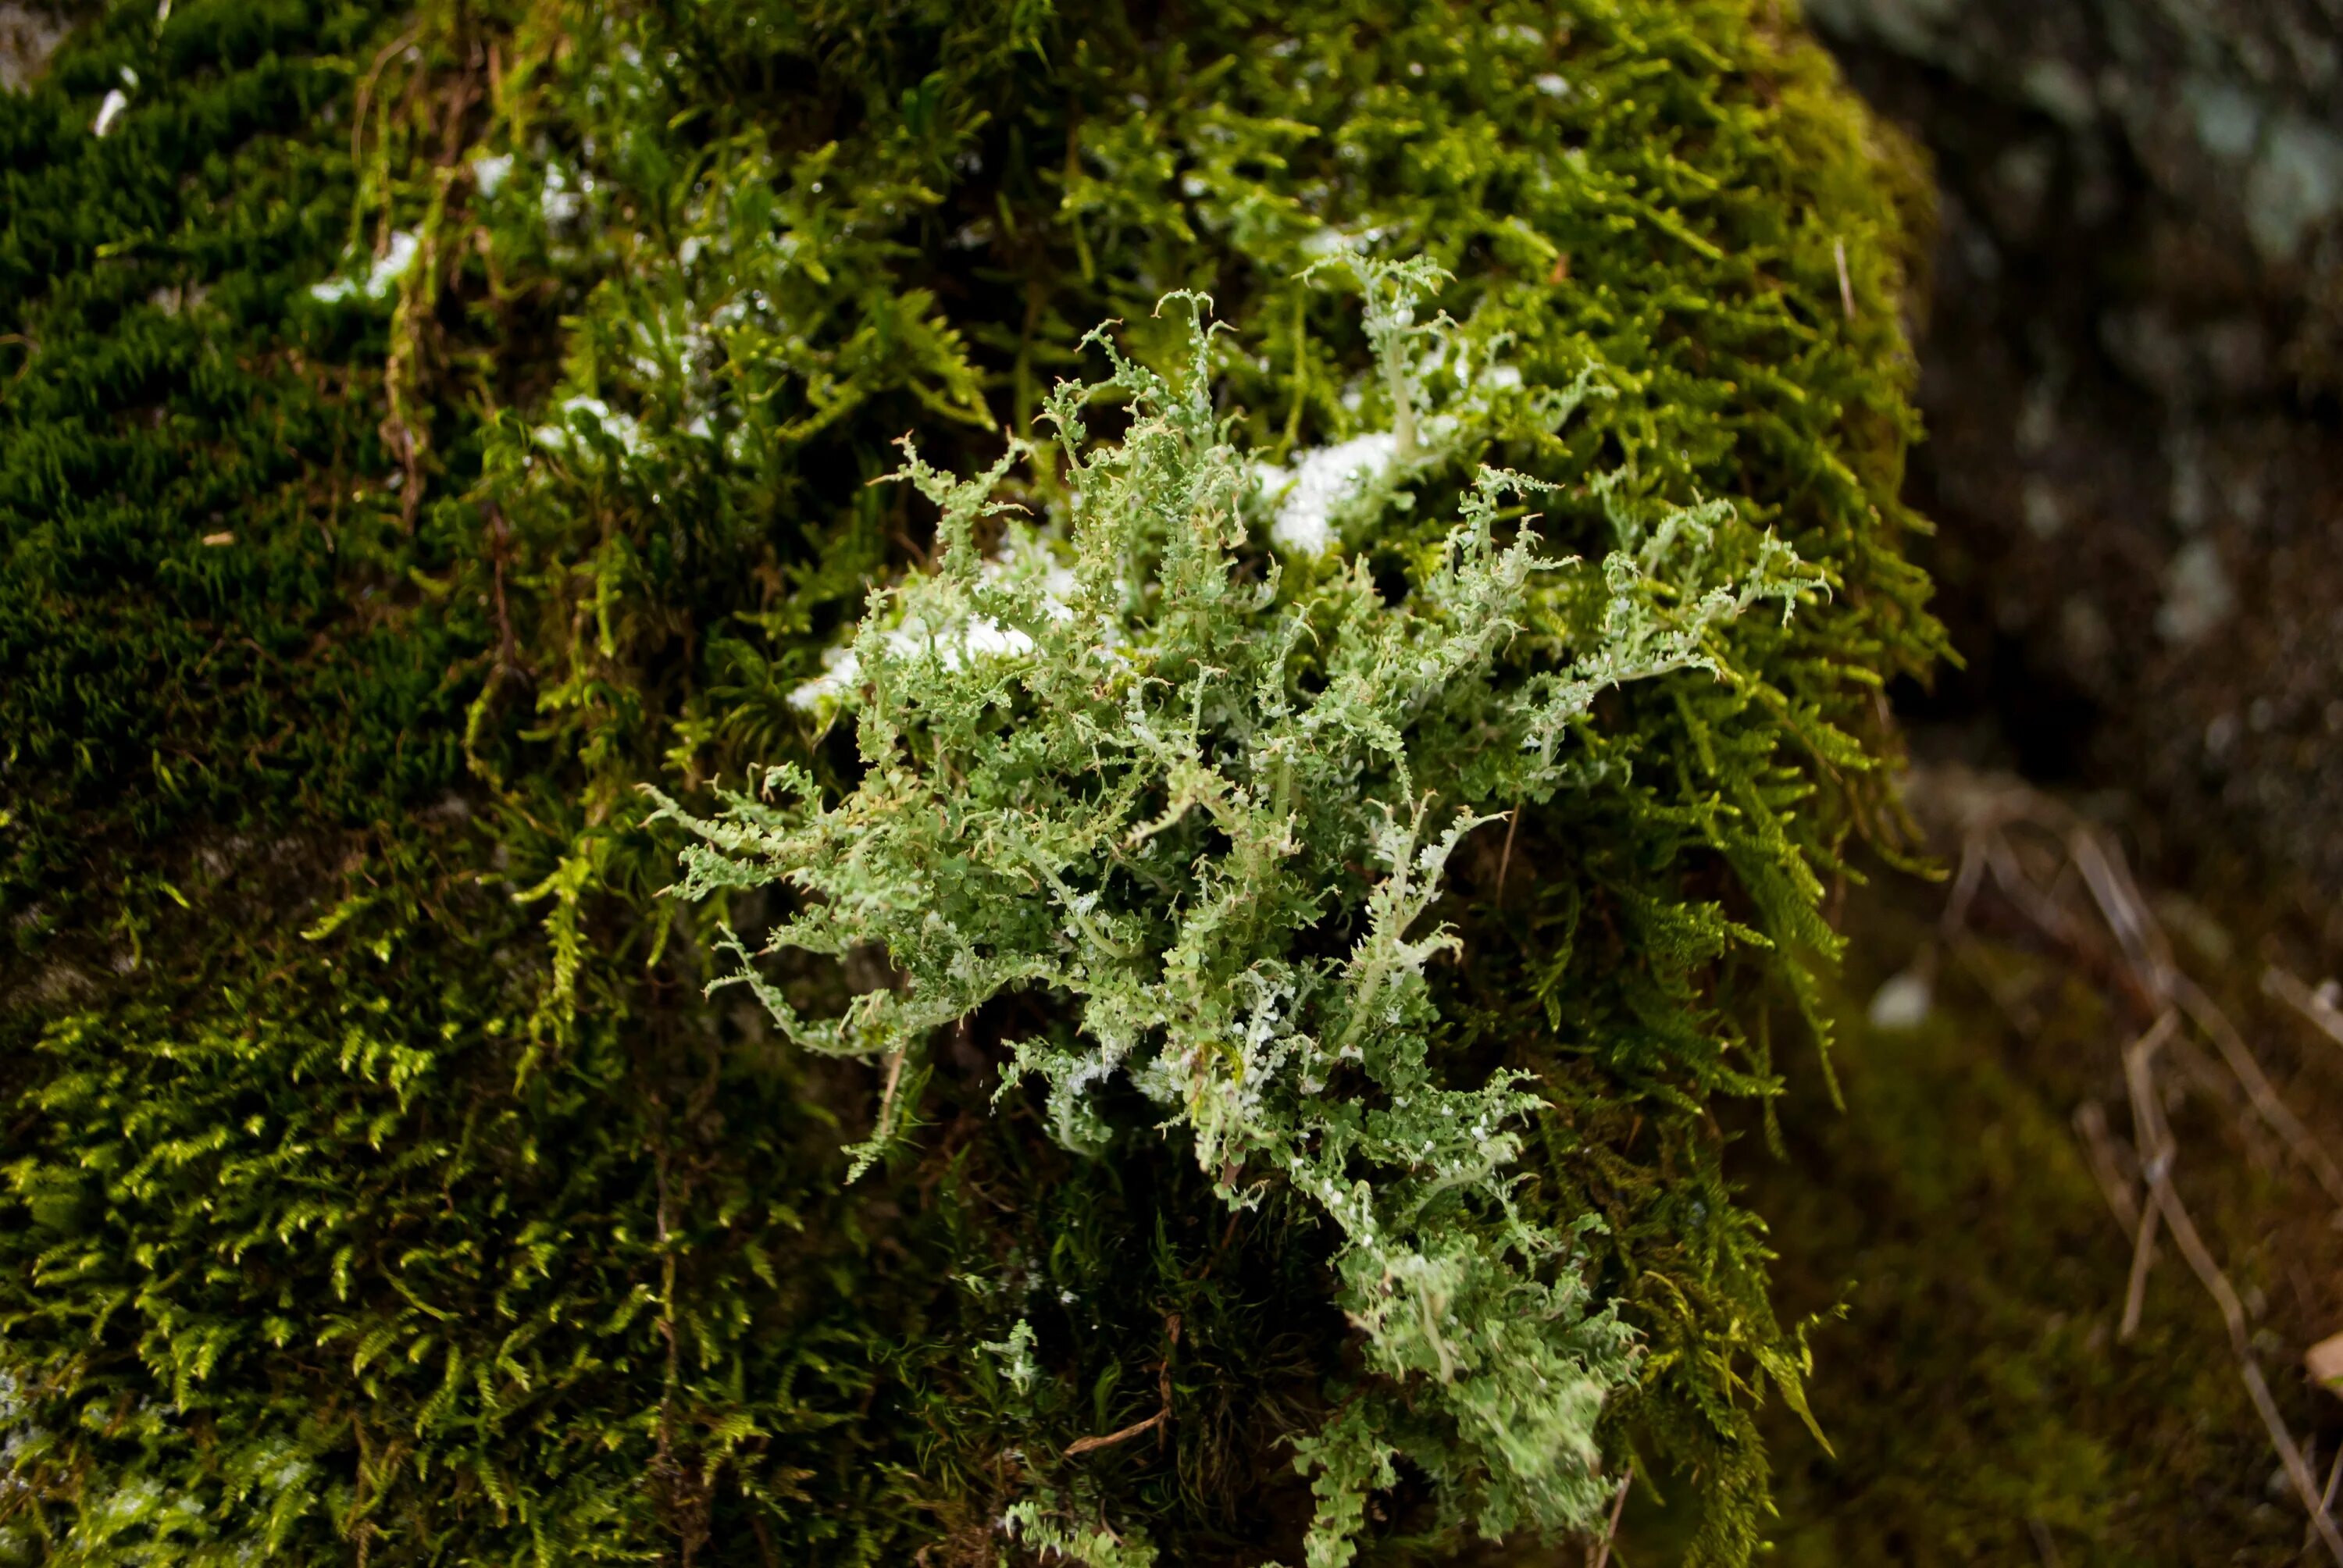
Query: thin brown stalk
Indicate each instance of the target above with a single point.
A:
(1082, 1445)
(367, 88)
(1160, 1419)
(2208, 1079)
(887, 1095)
(1618, 1506)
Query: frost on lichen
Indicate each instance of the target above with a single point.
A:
(1203, 804)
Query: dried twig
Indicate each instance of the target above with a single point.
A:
(2207, 1078)
(2009, 876)
(367, 88)
(879, 1125)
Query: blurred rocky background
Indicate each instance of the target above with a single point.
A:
(2132, 371)
(2131, 363)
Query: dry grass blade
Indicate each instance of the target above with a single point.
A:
(2125, 912)
(2314, 1005)
(1506, 860)
(2009, 876)
(2099, 1149)
(2325, 1501)
(2149, 957)
(2216, 1026)
(2143, 1249)
(2143, 1258)
(2157, 1146)
(2139, 965)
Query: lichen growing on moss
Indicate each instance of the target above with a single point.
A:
(1145, 780)
(377, 1183)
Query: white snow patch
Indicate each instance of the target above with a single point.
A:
(841, 670)
(621, 427)
(1320, 481)
(392, 264)
(841, 667)
(558, 202)
(387, 269)
(987, 638)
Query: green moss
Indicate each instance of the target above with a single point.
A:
(376, 1182)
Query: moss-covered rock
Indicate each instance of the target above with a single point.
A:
(420, 429)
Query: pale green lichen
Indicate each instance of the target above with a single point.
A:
(1151, 790)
